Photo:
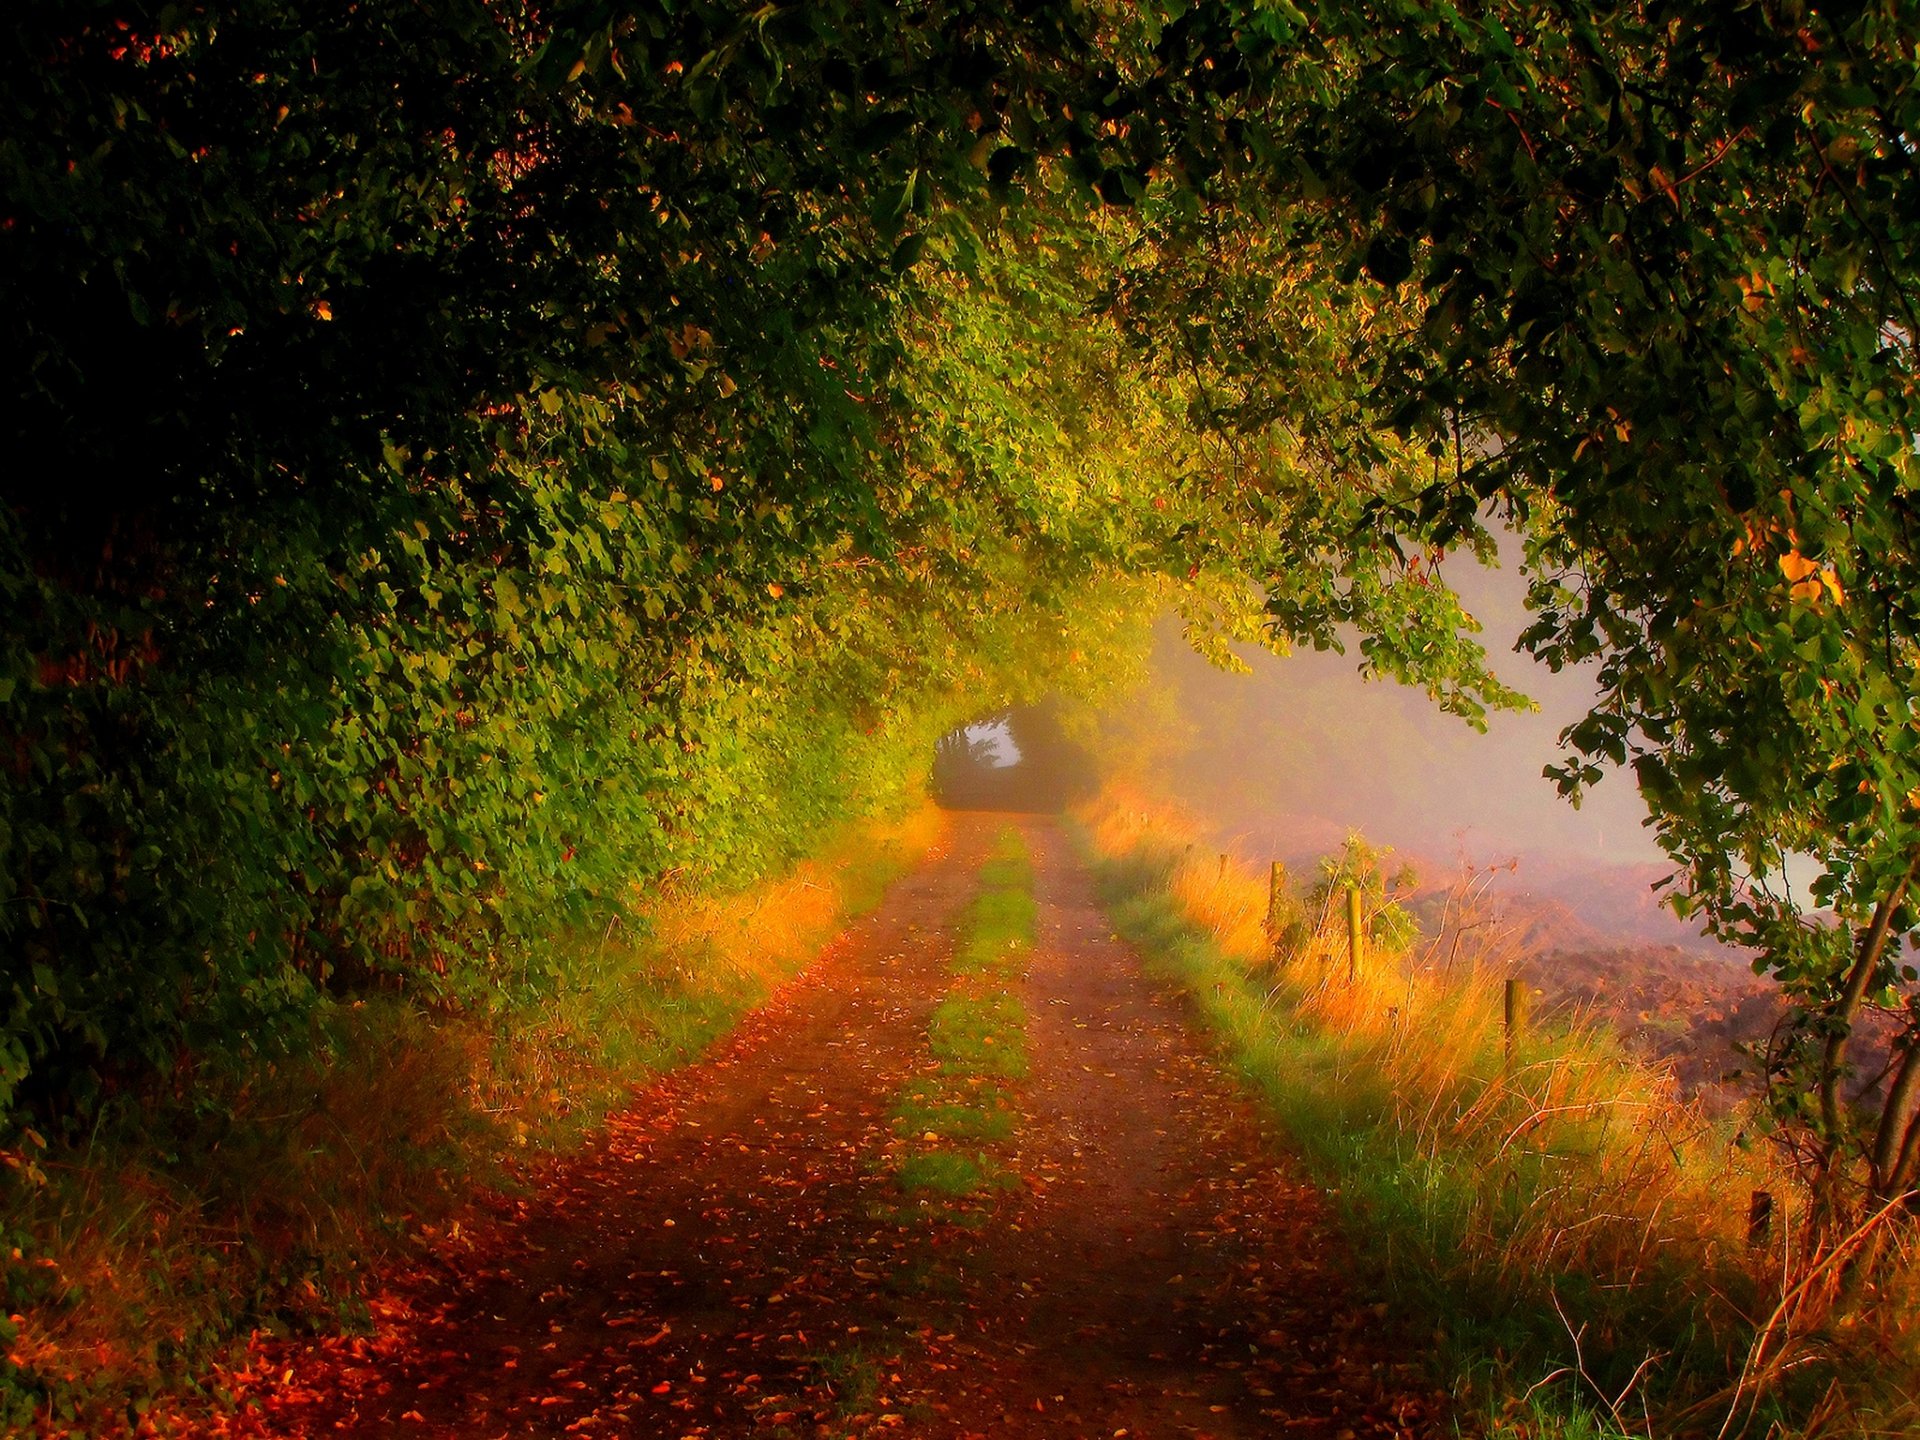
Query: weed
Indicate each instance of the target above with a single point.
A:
(924, 1111)
(955, 1174)
(852, 1377)
(980, 1034)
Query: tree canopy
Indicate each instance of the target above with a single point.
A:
(466, 460)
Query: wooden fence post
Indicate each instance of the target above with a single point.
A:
(1356, 935)
(1516, 1013)
(1276, 903)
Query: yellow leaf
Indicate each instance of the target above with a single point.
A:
(1832, 582)
(1796, 567)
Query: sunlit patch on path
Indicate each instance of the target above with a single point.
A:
(739, 1258)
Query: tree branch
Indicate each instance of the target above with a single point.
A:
(1872, 945)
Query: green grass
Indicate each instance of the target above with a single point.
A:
(1009, 870)
(977, 1034)
(925, 1108)
(954, 1174)
(999, 933)
(1428, 1220)
(980, 1034)
(852, 1375)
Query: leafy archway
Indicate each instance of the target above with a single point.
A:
(463, 459)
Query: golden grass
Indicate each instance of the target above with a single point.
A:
(1563, 1177)
(757, 932)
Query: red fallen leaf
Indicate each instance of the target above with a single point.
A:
(663, 1387)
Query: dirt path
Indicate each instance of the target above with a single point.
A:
(736, 1258)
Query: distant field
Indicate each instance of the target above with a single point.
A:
(1694, 1011)
(1593, 938)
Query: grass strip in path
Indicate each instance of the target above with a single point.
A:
(1160, 1270)
(948, 1118)
(735, 1261)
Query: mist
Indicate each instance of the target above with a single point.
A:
(1284, 762)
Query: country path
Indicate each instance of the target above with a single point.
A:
(735, 1257)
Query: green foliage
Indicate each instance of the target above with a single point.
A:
(467, 461)
(1362, 866)
(421, 581)
(1639, 280)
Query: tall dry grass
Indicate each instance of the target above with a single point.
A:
(1576, 1231)
(632, 1003)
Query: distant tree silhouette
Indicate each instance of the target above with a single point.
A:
(1051, 773)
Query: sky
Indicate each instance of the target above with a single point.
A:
(996, 734)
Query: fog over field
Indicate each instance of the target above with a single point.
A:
(1289, 759)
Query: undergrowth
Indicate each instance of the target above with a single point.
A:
(1574, 1233)
(257, 1196)
(976, 1036)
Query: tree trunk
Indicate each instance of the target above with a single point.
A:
(1871, 946)
(1896, 1146)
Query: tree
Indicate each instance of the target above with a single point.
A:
(586, 370)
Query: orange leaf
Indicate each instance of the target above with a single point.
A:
(1796, 567)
